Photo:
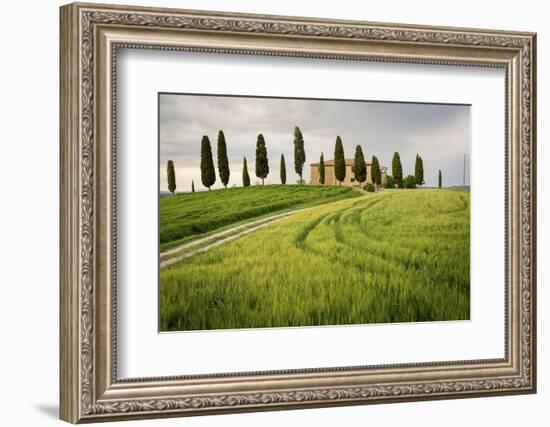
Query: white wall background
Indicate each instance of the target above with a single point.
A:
(29, 170)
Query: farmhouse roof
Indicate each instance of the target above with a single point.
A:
(349, 162)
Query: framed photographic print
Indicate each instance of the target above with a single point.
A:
(265, 212)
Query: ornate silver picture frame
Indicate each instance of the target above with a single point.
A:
(91, 35)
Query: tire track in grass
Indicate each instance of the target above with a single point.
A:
(348, 282)
(299, 240)
(229, 231)
(333, 223)
(186, 250)
(336, 226)
(399, 254)
(331, 219)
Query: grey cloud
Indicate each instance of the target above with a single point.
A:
(439, 133)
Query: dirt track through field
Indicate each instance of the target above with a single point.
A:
(204, 244)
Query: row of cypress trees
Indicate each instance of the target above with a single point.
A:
(262, 161)
(360, 168)
(359, 165)
(397, 172)
(208, 175)
(418, 178)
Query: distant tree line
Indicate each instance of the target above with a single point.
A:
(359, 167)
(410, 181)
(360, 170)
(208, 173)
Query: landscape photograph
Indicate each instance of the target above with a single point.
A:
(300, 212)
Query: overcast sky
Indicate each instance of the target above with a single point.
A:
(439, 133)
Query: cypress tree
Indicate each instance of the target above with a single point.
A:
(439, 180)
(359, 166)
(397, 170)
(192, 186)
(283, 169)
(322, 170)
(375, 174)
(299, 153)
(262, 163)
(246, 177)
(223, 163)
(171, 176)
(339, 161)
(419, 170)
(208, 174)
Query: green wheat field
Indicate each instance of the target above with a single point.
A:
(349, 258)
(187, 215)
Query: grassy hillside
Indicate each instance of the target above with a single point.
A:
(189, 214)
(397, 256)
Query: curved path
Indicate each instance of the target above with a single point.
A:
(203, 244)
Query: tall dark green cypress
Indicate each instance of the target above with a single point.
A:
(223, 163)
(171, 176)
(375, 174)
(397, 170)
(192, 186)
(359, 166)
(419, 170)
(299, 152)
(262, 163)
(322, 170)
(339, 161)
(246, 177)
(283, 169)
(439, 179)
(208, 174)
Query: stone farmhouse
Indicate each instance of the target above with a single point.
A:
(349, 180)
